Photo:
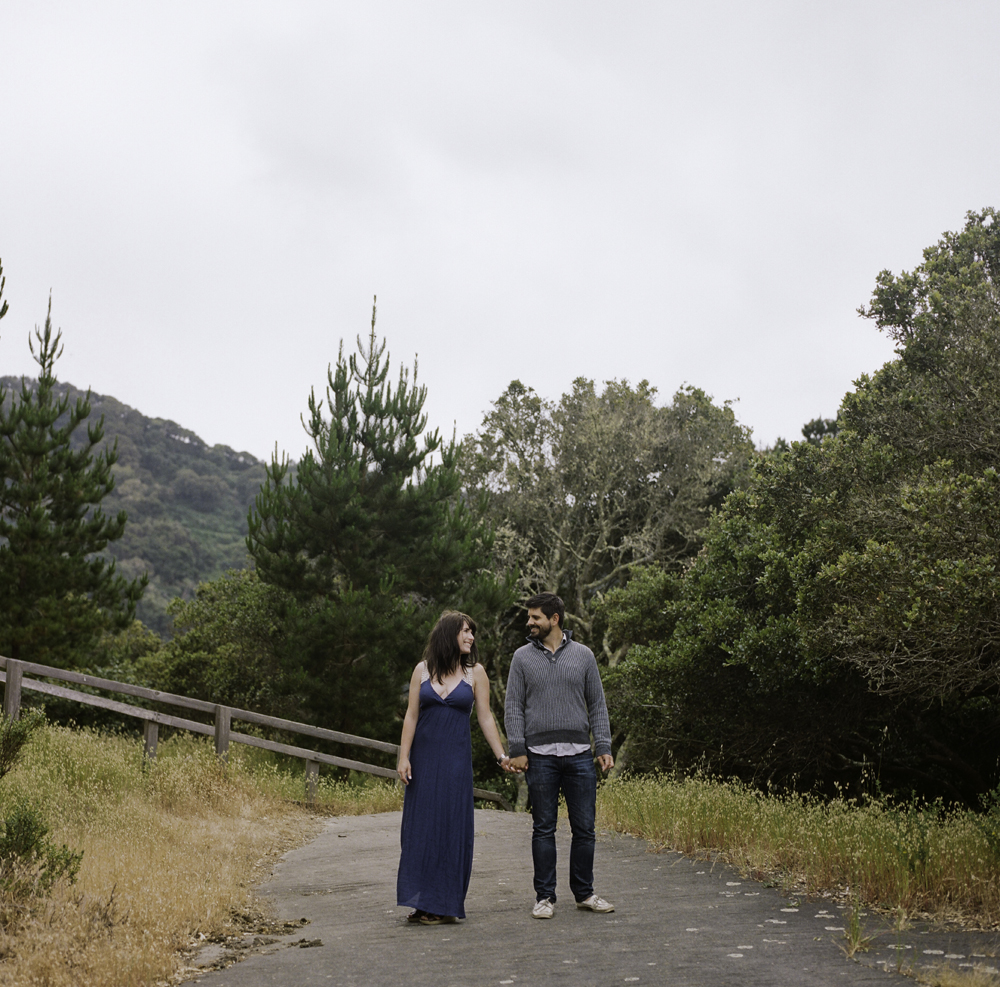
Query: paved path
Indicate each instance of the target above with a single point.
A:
(677, 921)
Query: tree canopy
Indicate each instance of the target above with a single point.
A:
(371, 538)
(844, 611)
(583, 490)
(57, 592)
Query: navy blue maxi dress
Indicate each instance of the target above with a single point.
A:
(437, 833)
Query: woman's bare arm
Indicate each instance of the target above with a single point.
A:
(481, 689)
(409, 727)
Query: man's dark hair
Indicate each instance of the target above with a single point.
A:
(549, 604)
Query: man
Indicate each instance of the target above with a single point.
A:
(554, 701)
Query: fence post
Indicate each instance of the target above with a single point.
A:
(312, 774)
(150, 735)
(223, 716)
(12, 690)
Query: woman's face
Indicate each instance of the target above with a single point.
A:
(465, 638)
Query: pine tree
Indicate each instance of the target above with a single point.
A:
(3, 282)
(372, 539)
(57, 593)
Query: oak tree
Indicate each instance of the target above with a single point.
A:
(584, 490)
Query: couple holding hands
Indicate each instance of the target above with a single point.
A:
(554, 702)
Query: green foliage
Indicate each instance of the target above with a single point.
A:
(30, 863)
(371, 539)
(228, 646)
(57, 592)
(941, 398)
(584, 491)
(838, 627)
(186, 503)
(14, 734)
(817, 430)
(119, 653)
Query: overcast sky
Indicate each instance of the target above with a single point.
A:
(687, 193)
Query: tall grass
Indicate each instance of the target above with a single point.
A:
(920, 859)
(171, 849)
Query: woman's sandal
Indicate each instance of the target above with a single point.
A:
(437, 919)
(415, 916)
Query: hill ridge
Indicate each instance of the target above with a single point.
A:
(186, 501)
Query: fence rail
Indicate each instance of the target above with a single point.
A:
(15, 681)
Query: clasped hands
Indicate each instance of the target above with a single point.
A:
(512, 765)
(518, 765)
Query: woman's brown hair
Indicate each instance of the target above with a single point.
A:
(442, 654)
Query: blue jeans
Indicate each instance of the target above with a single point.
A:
(575, 775)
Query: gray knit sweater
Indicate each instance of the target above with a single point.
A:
(553, 698)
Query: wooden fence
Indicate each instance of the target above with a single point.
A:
(14, 677)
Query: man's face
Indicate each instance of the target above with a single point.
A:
(538, 624)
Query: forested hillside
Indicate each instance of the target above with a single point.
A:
(186, 501)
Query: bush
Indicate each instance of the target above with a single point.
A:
(14, 734)
(30, 863)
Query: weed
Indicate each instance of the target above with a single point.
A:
(854, 934)
(989, 822)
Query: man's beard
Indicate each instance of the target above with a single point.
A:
(536, 631)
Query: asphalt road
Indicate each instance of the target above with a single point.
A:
(682, 922)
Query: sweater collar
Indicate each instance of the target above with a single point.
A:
(566, 638)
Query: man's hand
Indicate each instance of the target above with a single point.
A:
(516, 765)
(606, 762)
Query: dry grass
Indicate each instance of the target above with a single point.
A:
(946, 976)
(171, 850)
(920, 861)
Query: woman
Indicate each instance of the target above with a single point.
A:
(435, 765)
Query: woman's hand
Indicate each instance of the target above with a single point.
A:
(403, 770)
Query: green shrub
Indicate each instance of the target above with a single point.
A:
(30, 863)
(14, 734)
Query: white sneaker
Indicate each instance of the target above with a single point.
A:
(595, 904)
(544, 908)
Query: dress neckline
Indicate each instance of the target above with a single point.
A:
(450, 692)
(466, 678)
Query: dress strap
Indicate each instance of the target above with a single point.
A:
(425, 675)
